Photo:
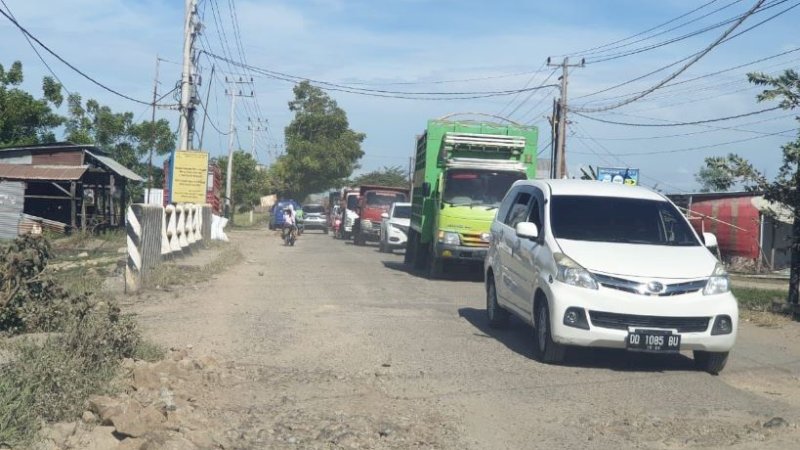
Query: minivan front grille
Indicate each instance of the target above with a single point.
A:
(635, 287)
(623, 321)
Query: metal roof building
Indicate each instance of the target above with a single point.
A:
(61, 187)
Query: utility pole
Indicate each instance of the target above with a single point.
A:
(253, 128)
(560, 120)
(233, 92)
(186, 125)
(153, 146)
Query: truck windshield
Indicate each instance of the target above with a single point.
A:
(402, 212)
(352, 202)
(614, 219)
(478, 187)
(384, 198)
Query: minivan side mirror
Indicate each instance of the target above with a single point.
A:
(527, 230)
(710, 240)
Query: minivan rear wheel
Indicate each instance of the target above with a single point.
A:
(498, 317)
(711, 362)
(547, 350)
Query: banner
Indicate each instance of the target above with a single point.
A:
(189, 177)
(618, 175)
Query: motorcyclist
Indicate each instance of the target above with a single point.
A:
(289, 220)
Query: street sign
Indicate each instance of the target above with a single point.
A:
(189, 177)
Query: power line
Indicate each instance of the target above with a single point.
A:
(587, 51)
(624, 83)
(35, 50)
(678, 124)
(530, 80)
(683, 68)
(713, 130)
(68, 64)
(213, 125)
(532, 93)
(703, 147)
(704, 30)
(376, 92)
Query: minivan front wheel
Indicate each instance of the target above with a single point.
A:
(498, 317)
(711, 362)
(547, 350)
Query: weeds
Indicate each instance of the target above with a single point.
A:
(755, 299)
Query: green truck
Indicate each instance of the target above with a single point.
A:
(463, 170)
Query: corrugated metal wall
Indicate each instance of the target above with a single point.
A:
(738, 211)
(12, 202)
(69, 157)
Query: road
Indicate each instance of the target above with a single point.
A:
(329, 345)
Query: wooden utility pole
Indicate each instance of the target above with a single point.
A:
(560, 120)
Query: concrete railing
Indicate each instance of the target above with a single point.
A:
(157, 233)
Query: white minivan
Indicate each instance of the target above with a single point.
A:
(596, 264)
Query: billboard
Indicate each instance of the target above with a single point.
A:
(618, 175)
(189, 177)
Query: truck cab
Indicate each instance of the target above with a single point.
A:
(374, 201)
(462, 172)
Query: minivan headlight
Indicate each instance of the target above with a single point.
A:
(572, 273)
(718, 283)
(449, 238)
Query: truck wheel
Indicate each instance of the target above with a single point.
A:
(547, 350)
(711, 362)
(358, 239)
(381, 246)
(435, 265)
(411, 246)
(421, 257)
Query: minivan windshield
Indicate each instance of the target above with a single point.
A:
(614, 219)
(402, 212)
(478, 187)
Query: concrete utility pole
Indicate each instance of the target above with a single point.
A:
(559, 169)
(234, 92)
(186, 125)
(256, 126)
(152, 147)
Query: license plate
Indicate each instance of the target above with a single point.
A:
(653, 341)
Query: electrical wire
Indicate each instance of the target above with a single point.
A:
(661, 69)
(587, 51)
(678, 124)
(376, 92)
(35, 50)
(71, 66)
(530, 80)
(532, 93)
(677, 73)
(223, 133)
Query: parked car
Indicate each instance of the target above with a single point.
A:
(314, 217)
(597, 264)
(276, 215)
(394, 227)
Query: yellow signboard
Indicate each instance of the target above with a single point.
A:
(189, 176)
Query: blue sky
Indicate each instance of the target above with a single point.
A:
(384, 42)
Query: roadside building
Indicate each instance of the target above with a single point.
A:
(752, 233)
(60, 187)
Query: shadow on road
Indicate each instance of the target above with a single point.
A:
(455, 273)
(518, 337)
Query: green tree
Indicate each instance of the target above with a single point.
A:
(784, 188)
(394, 176)
(250, 182)
(25, 120)
(721, 173)
(321, 149)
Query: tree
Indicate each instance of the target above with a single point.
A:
(250, 183)
(394, 176)
(721, 173)
(321, 149)
(784, 188)
(25, 120)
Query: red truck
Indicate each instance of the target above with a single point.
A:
(372, 203)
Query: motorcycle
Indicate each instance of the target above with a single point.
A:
(290, 237)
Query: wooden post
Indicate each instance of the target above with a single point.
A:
(111, 199)
(83, 212)
(73, 206)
